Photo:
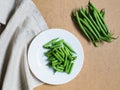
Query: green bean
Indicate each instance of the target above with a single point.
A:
(100, 20)
(102, 30)
(67, 67)
(61, 59)
(91, 36)
(92, 20)
(96, 31)
(62, 48)
(102, 25)
(59, 42)
(99, 24)
(47, 54)
(56, 46)
(102, 12)
(62, 53)
(66, 50)
(50, 51)
(106, 39)
(59, 56)
(55, 62)
(56, 57)
(70, 57)
(68, 47)
(47, 45)
(92, 26)
(90, 29)
(60, 67)
(65, 61)
(82, 28)
(70, 67)
(90, 4)
(49, 64)
(51, 58)
(70, 53)
(80, 25)
(57, 69)
(74, 57)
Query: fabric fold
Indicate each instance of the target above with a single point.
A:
(6, 8)
(24, 25)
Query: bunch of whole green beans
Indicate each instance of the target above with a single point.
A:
(60, 55)
(91, 22)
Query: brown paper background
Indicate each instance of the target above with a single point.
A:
(101, 69)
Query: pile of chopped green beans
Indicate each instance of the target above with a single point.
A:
(60, 55)
(92, 24)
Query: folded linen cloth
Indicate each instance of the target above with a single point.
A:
(6, 7)
(25, 24)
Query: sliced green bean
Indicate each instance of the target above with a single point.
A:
(68, 47)
(60, 58)
(67, 67)
(74, 57)
(49, 64)
(59, 42)
(70, 53)
(55, 62)
(70, 57)
(63, 49)
(47, 45)
(67, 52)
(56, 46)
(57, 69)
(59, 55)
(50, 52)
(70, 67)
(60, 67)
(51, 58)
(62, 53)
(65, 61)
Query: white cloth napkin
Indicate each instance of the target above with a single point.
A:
(6, 7)
(25, 24)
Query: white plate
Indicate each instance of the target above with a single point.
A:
(37, 61)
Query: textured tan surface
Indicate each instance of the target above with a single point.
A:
(101, 70)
